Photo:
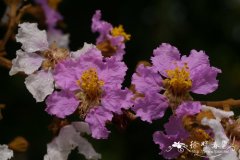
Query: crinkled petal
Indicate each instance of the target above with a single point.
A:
(116, 100)
(81, 127)
(175, 126)
(150, 107)
(112, 72)
(218, 113)
(100, 26)
(40, 85)
(68, 139)
(224, 150)
(54, 35)
(204, 79)
(86, 49)
(164, 58)
(25, 62)
(175, 132)
(97, 119)
(164, 142)
(203, 76)
(61, 104)
(188, 108)
(219, 133)
(145, 79)
(196, 59)
(65, 75)
(118, 43)
(5, 152)
(31, 37)
(67, 72)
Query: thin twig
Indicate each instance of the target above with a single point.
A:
(6, 63)
(224, 104)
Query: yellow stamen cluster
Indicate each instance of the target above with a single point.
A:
(178, 80)
(119, 31)
(90, 83)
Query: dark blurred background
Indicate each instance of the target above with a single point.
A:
(212, 26)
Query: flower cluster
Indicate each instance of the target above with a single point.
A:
(87, 84)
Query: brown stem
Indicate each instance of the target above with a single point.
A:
(14, 19)
(6, 63)
(226, 104)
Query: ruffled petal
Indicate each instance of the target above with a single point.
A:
(164, 142)
(223, 149)
(100, 26)
(61, 104)
(218, 113)
(54, 35)
(112, 72)
(86, 49)
(145, 79)
(196, 59)
(97, 119)
(175, 126)
(116, 100)
(175, 132)
(204, 79)
(31, 37)
(164, 58)
(5, 152)
(150, 107)
(68, 139)
(118, 43)
(25, 62)
(40, 85)
(65, 75)
(188, 108)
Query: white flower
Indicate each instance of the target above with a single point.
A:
(219, 149)
(69, 138)
(5, 152)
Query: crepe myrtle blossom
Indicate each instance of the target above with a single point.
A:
(174, 130)
(111, 40)
(69, 138)
(91, 86)
(37, 58)
(183, 74)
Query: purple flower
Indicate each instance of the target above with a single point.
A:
(91, 86)
(174, 132)
(192, 73)
(111, 40)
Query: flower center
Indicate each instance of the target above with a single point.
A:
(178, 81)
(90, 83)
(90, 95)
(106, 48)
(119, 31)
(53, 55)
